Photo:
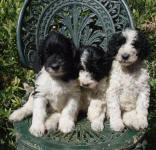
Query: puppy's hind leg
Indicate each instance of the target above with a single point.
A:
(23, 112)
(52, 122)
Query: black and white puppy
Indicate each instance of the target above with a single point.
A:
(129, 90)
(55, 85)
(95, 65)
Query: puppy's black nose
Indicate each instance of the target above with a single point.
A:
(125, 56)
(55, 66)
(85, 84)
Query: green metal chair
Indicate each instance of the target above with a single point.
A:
(90, 22)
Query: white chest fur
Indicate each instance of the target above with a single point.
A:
(55, 91)
(128, 84)
(98, 93)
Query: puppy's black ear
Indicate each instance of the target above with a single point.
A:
(38, 60)
(142, 46)
(73, 48)
(116, 41)
(81, 49)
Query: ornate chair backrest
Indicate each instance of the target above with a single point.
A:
(87, 22)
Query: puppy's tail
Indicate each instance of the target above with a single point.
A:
(26, 109)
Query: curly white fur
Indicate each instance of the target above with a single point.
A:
(129, 90)
(94, 102)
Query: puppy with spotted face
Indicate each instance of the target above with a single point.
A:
(95, 65)
(129, 90)
(55, 85)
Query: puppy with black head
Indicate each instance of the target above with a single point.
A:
(129, 90)
(95, 65)
(55, 85)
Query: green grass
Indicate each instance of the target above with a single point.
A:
(12, 74)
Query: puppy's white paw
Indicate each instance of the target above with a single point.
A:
(51, 126)
(133, 120)
(66, 125)
(17, 115)
(117, 125)
(37, 130)
(130, 119)
(97, 125)
(142, 123)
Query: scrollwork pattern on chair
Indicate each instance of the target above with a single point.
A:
(87, 22)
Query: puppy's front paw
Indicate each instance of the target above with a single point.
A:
(37, 130)
(117, 125)
(97, 125)
(66, 125)
(17, 115)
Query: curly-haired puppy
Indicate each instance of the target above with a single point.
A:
(95, 65)
(129, 90)
(55, 86)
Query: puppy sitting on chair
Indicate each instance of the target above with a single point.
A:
(55, 86)
(129, 90)
(95, 65)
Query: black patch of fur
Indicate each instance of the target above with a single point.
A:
(98, 62)
(116, 41)
(57, 46)
(142, 46)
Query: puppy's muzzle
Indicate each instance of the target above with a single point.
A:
(125, 56)
(55, 67)
(85, 84)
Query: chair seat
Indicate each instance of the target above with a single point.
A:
(81, 138)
